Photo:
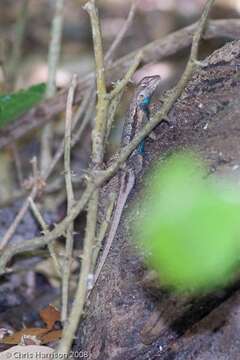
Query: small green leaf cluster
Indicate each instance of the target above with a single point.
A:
(189, 228)
(16, 104)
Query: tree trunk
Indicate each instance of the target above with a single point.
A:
(127, 318)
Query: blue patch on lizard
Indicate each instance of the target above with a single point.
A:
(144, 106)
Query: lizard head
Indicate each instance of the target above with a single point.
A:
(146, 88)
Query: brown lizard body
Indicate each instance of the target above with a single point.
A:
(139, 110)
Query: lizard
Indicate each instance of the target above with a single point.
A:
(139, 112)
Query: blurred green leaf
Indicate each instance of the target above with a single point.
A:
(189, 226)
(14, 105)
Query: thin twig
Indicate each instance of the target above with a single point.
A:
(59, 153)
(53, 60)
(67, 146)
(15, 58)
(37, 214)
(40, 219)
(119, 38)
(24, 208)
(104, 228)
(122, 84)
(70, 200)
(11, 230)
(97, 157)
(102, 103)
(44, 226)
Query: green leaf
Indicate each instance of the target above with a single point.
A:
(189, 226)
(14, 105)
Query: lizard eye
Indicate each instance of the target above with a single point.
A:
(141, 98)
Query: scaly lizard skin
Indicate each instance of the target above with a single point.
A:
(138, 113)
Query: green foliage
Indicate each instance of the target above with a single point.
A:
(14, 105)
(189, 226)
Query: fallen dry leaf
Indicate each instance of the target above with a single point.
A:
(52, 336)
(50, 315)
